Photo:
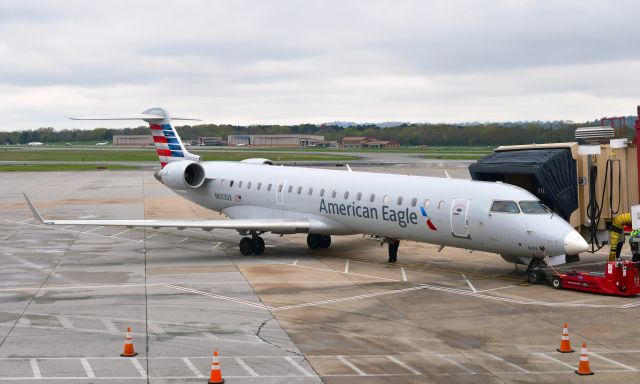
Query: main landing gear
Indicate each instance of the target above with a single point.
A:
(318, 241)
(253, 245)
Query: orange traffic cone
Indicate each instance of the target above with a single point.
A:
(583, 367)
(216, 373)
(565, 344)
(128, 345)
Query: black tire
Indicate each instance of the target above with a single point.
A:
(313, 241)
(532, 277)
(325, 241)
(258, 245)
(556, 282)
(246, 246)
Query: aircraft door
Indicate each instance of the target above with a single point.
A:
(459, 220)
(280, 192)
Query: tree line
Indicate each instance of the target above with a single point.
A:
(476, 134)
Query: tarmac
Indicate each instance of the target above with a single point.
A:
(337, 315)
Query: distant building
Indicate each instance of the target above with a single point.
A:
(281, 141)
(212, 141)
(367, 142)
(132, 140)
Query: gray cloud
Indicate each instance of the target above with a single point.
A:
(299, 61)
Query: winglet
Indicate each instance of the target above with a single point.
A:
(35, 212)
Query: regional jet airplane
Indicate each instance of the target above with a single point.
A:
(259, 197)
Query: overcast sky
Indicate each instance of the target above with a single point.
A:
(247, 62)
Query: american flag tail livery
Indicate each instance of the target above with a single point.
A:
(165, 138)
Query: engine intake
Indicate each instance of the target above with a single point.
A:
(183, 175)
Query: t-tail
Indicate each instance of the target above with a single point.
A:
(168, 144)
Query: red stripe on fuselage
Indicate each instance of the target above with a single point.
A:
(155, 127)
(159, 139)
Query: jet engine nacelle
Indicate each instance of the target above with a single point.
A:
(183, 175)
(257, 160)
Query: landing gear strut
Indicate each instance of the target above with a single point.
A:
(252, 246)
(535, 273)
(318, 241)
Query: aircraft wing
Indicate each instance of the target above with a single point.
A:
(241, 225)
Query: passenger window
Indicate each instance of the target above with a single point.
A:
(359, 196)
(399, 200)
(249, 185)
(259, 185)
(385, 199)
(269, 188)
(240, 184)
(322, 192)
(426, 204)
(334, 193)
(414, 201)
(231, 183)
(310, 192)
(290, 188)
(299, 190)
(372, 197)
(507, 206)
(346, 195)
(441, 204)
(532, 207)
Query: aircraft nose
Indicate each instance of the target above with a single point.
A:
(574, 243)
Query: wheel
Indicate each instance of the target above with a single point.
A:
(556, 282)
(246, 246)
(532, 277)
(258, 245)
(313, 241)
(325, 241)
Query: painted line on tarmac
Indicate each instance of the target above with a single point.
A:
(404, 274)
(87, 368)
(349, 364)
(214, 296)
(403, 365)
(139, 367)
(608, 360)
(35, 368)
(512, 365)
(299, 367)
(469, 283)
(192, 367)
(555, 360)
(450, 360)
(246, 367)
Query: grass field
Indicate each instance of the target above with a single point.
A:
(61, 167)
(142, 155)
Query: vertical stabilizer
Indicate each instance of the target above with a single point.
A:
(165, 138)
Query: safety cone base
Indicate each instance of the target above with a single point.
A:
(583, 373)
(129, 354)
(567, 351)
(217, 382)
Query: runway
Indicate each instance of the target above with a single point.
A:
(339, 315)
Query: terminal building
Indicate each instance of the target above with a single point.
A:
(281, 141)
(132, 140)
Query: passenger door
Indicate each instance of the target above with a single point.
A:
(459, 220)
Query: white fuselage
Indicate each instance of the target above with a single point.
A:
(340, 202)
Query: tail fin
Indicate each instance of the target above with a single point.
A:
(165, 138)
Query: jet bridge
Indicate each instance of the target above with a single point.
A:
(549, 173)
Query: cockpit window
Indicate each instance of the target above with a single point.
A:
(532, 207)
(505, 206)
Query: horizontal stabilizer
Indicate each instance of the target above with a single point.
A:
(135, 116)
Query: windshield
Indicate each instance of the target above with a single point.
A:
(505, 206)
(532, 207)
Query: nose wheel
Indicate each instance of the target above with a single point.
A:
(252, 246)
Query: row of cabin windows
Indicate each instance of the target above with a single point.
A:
(334, 193)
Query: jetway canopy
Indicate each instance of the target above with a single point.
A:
(550, 174)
